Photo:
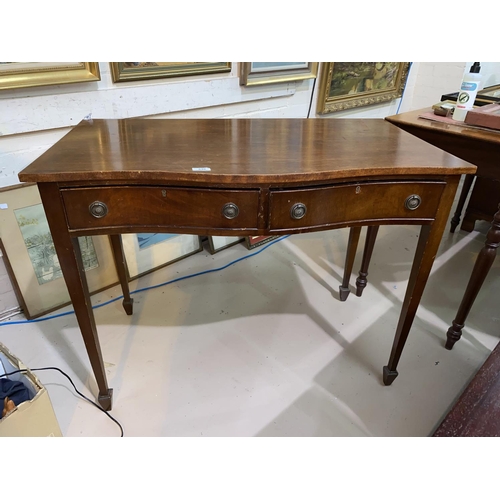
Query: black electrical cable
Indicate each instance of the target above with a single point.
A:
(74, 387)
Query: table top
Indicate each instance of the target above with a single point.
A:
(411, 119)
(238, 151)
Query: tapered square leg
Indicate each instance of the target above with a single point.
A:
(70, 260)
(128, 305)
(427, 247)
(389, 375)
(106, 400)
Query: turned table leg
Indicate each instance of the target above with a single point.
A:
(482, 266)
(361, 281)
(349, 261)
(469, 179)
(70, 260)
(117, 246)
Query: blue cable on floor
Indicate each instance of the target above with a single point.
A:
(23, 322)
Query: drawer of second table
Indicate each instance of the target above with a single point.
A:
(332, 205)
(160, 206)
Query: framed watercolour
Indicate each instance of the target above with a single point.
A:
(256, 241)
(129, 71)
(218, 243)
(32, 260)
(346, 85)
(15, 75)
(147, 252)
(261, 73)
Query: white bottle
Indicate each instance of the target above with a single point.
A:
(468, 91)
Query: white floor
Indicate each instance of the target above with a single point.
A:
(265, 348)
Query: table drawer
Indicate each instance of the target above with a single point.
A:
(160, 206)
(325, 206)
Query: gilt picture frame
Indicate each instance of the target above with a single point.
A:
(148, 252)
(263, 73)
(347, 85)
(133, 71)
(16, 75)
(32, 261)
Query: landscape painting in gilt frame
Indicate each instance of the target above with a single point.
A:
(130, 71)
(346, 85)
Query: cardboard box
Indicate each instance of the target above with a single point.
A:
(34, 418)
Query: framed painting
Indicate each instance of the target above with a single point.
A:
(147, 252)
(32, 261)
(488, 95)
(130, 71)
(218, 243)
(346, 85)
(256, 241)
(16, 75)
(262, 73)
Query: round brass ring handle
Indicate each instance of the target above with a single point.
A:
(230, 211)
(98, 209)
(298, 211)
(413, 202)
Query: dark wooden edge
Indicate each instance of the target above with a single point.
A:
(211, 244)
(251, 246)
(131, 278)
(482, 389)
(19, 295)
(242, 186)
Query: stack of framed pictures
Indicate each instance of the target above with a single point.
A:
(257, 241)
(218, 243)
(31, 259)
(33, 266)
(147, 252)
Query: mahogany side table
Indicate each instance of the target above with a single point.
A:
(243, 177)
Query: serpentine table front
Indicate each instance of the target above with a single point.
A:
(239, 177)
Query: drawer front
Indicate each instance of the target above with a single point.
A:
(162, 206)
(325, 206)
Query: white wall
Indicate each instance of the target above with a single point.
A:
(32, 120)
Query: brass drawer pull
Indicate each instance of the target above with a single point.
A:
(413, 202)
(98, 209)
(230, 211)
(298, 211)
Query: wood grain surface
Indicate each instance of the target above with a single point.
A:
(237, 151)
